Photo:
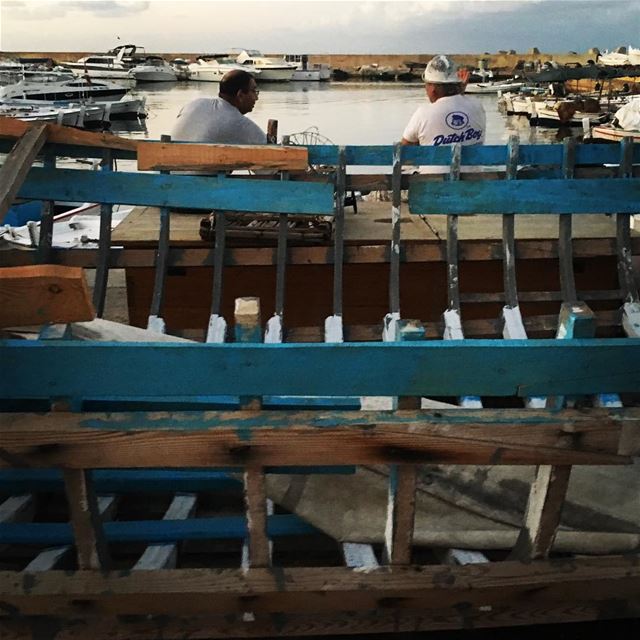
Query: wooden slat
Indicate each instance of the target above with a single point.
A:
(163, 556)
(429, 368)
(36, 295)
(401, 509)
(614, 195)
(12, 128)
(156, 156)
(316, 590)
(201, 439)
(179, 191)
(17, 164)
(90, 543)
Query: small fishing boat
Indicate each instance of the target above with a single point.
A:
(309, 72)
(493, 86)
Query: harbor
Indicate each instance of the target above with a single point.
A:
(331, 365)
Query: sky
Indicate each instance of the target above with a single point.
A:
(197, 26)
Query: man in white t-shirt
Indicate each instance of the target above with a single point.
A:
(449, 116)
(222, 120)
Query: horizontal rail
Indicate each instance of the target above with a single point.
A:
(612, 195)
(288, 438)
(179, 191)
(42, 369)
(314, 590)
(152, 531)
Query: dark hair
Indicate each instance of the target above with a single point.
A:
(452, 89)
(234, 81)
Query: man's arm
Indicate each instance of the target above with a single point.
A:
(404, 141)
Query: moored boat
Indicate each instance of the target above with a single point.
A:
(211, 68)
(307, 71)
(271, 69)
(70, 89)
(153, 69)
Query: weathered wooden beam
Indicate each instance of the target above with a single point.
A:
(42, 294)
(427, 368)
(18, 162)
(12, 128)
(401, 510)
(174, 156)
(203, 439)
(90, 543)
(316, 590)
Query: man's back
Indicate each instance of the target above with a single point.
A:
(215, 120)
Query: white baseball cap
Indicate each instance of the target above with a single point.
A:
(441, 70)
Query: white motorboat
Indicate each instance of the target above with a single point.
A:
(306, 71)
(493, 87)
(621, 57)
(181, 68)
(154, 69)
(212, 68)
(564, 113)
(271, 69)
(101, 66)
(70, 89)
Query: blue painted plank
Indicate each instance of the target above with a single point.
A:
(16, 481)
(614, 195)
(197, 192)
(153, 531)
(440, 368)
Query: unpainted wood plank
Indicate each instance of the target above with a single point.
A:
(458, 436)
(401, 509)
(35, 295)
(164, 556)
(18, 162)
(156, 156)
(90, 542)
(259, 548)
(12, 128)
(317, 590)
(543, 513)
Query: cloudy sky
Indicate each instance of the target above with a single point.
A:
(452, 26)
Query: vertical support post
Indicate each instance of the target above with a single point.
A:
(565, 249)
(626, 275)
(45, 237)
(248, 329)
(452, 316)
(401, 510)
(394, 259)
(155, 321)
(90, 542)
(104, 244)
(333, 324)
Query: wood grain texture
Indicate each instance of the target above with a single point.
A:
(35, 295)
(201, 439)
(316, 590)
(12, 128)
(156, 156)
(17, 164)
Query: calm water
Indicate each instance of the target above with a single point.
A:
(344, 112)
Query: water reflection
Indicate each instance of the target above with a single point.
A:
(345, 112)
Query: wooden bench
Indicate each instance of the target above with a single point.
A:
(253, 412)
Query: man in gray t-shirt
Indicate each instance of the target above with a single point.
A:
(221, 120)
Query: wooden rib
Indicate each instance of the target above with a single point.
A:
(155, 156)
(45, 229)
(52, 558)
(544, 509)
(17, 164)
(401, 509)
(565, 240)
(12, 128)
(394, 270)
(164, 556)
(259, 547)
(104, 245)
(508, 232)
(217, 327)
(338, 234)
(90, 542)
(42, 294)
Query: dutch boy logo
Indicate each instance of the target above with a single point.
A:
(457, 119)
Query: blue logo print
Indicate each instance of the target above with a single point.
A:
(457, 120)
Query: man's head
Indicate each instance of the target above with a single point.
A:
(441, 78)
(238, 88)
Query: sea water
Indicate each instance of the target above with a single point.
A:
(341, 112)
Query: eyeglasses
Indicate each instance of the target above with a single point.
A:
(256, 91)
